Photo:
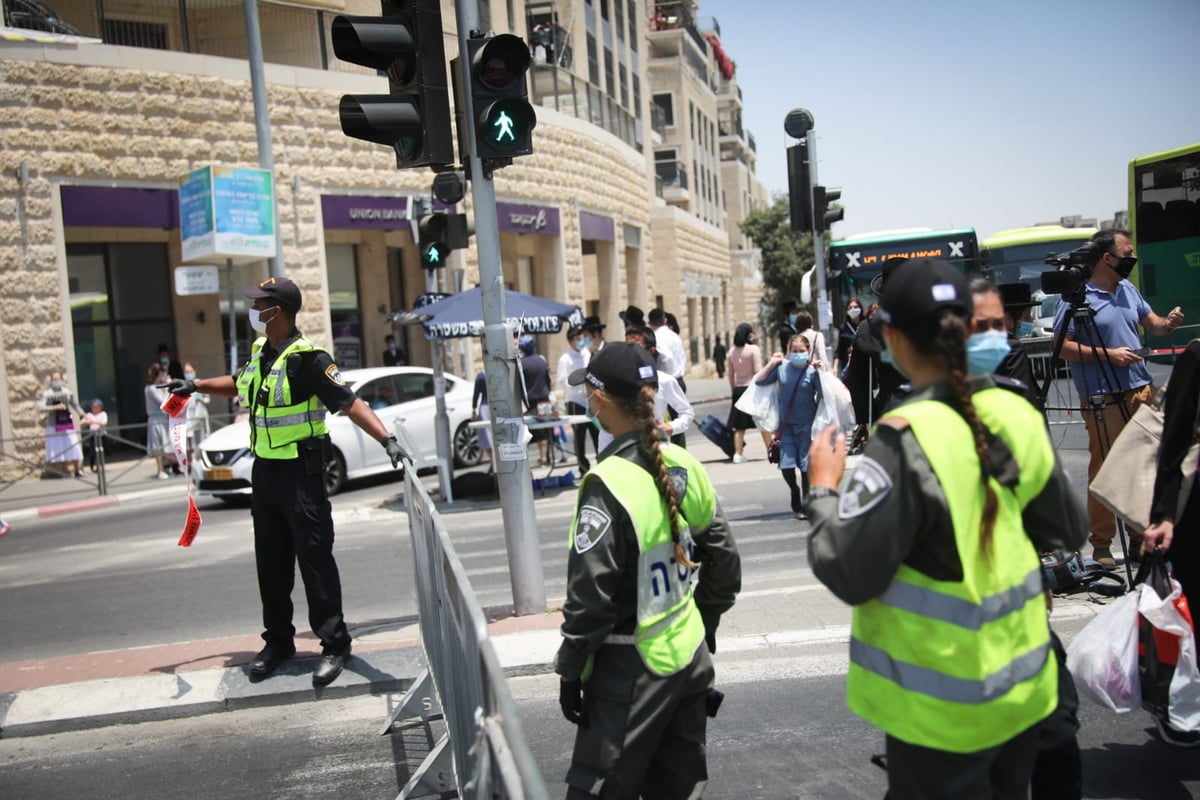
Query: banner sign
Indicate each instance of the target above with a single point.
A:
(227, 212)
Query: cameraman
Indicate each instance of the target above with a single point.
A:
(1118, 309)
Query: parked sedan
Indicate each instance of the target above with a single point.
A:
(404, 394)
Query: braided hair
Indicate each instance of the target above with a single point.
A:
(950, 344)
(641, 407)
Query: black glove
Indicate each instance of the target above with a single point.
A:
(394, 450)
(570, 699)
(711, 620)
(182, 387)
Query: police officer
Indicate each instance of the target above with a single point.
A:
(287, 385)
(935, 543)
(635, 676)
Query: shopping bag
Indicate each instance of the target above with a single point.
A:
(1167, 661)
(835, 407)
(1104, 656)
(762, 403)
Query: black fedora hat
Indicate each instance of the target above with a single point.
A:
(633, 317)
(593, 323)
(1016, 296)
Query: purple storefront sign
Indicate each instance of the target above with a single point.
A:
(363, 212)
(597, 227)
(119, 207)
(523, 218)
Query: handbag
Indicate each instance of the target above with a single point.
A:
(773, 449)
(1125, 482)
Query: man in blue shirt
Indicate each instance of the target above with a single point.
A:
(1119, 310)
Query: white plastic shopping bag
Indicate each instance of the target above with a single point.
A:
(762, 403)
(1163, 613)
(835, 407)
(1104, 656)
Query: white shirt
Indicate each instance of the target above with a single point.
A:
(568, 362)
(669, 394)
(671, 345)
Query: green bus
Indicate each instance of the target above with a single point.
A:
(855, 260)
(1164, 216)
(1019, 255)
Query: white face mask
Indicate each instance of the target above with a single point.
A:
(255, 322)
(854, 313)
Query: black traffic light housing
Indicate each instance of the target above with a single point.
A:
(504, 117)
(822, 197)
(438, 234)
(800, 198)
(406, 44)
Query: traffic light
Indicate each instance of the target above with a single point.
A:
(799, 196)
(822, 197)
(406, 44)
(438, 234)
(504, 118)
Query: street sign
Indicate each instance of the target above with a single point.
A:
(198, 279)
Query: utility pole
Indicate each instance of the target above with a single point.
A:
(262, 125)
(799, 125)
(512, 464)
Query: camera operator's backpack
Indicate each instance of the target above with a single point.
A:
(1068, 573)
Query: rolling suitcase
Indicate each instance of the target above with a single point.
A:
(718, 434)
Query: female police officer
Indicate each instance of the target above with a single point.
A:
(931, 543)
(635, 678)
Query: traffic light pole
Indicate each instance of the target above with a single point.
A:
(441, 419)
(512, 464)
(824, 311)
(262, 125)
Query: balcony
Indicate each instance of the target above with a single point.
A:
(566, 92)
(673, 178)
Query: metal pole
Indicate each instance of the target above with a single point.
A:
(233, 359)
(824, 312)
(262, 122)
(512, 463)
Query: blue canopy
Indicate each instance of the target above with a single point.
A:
(461, 314)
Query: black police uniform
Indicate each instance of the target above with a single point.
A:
(293, 520)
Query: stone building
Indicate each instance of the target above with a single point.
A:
(108, 103)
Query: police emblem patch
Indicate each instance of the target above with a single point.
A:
(590, 528)
(334, 374)
(868, 486)
(678, 477)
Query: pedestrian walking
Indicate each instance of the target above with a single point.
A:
(935, 543)
(744, 362)
(799, 392)
(719, 353)
(635, 674)
(287, 385)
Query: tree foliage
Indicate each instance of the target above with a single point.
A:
(786, 256)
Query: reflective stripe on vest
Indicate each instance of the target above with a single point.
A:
(277, 425)
(962, 665)
(669, 628)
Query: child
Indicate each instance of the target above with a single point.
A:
(799, 392)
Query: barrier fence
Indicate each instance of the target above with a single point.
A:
(482, 753)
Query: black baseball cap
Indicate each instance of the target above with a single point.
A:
(889, 266)
(917, 291)
(620, 369)
(281, 290)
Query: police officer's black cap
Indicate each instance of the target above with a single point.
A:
(593, 324)
(916, 293)
(633, 317)
(889, 266)
(281, 290)
(620, 369)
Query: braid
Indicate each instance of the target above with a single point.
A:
(642, 407)
(951, 336)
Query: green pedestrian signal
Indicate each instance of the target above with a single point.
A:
(438, 234)
(504, 118)
(504, 126)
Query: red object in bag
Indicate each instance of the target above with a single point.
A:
(1158, 650)
(192, 526)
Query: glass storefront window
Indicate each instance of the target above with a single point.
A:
(344, 310)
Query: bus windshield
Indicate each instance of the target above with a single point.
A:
(856, 260)
(1164, 208)
(1019, 255)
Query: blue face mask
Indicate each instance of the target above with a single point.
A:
(798, 360)
(886, 358)
(583, 344)
(792, 320)
(1024, 328)
(985, 351)
(592, 418)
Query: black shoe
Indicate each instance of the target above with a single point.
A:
(330, 666)
(269, 659)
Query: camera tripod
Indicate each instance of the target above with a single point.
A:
(1088, 335)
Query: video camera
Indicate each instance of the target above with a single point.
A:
(1074, 270)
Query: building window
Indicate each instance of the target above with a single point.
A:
(624, 73)
(135, 34)
(485, 15)
(593, 61)
(604, 9)
(610, 85)
(619, 22)
(633, 15)
(637, 96)
(667, 106)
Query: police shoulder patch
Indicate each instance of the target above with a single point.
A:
(679, 479)
(334, 375)
(868, 487)
(590, 527)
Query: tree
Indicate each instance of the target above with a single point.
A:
(786, 256)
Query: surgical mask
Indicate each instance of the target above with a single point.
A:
(392, 348)
(191, 376)
(985, 351)
(55, 385)
(256, 322)
(798, 360)
(165, 361)
(583, 344)
(1024, 328)
(854, 313)
(592, 418)
(1125, 266)
(792, 320)
(887, 358)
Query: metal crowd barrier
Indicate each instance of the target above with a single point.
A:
(482, 753)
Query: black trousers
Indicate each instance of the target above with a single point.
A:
(580, 434)
(293, 523)
(998, 773)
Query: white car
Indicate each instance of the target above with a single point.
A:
(404, 394)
